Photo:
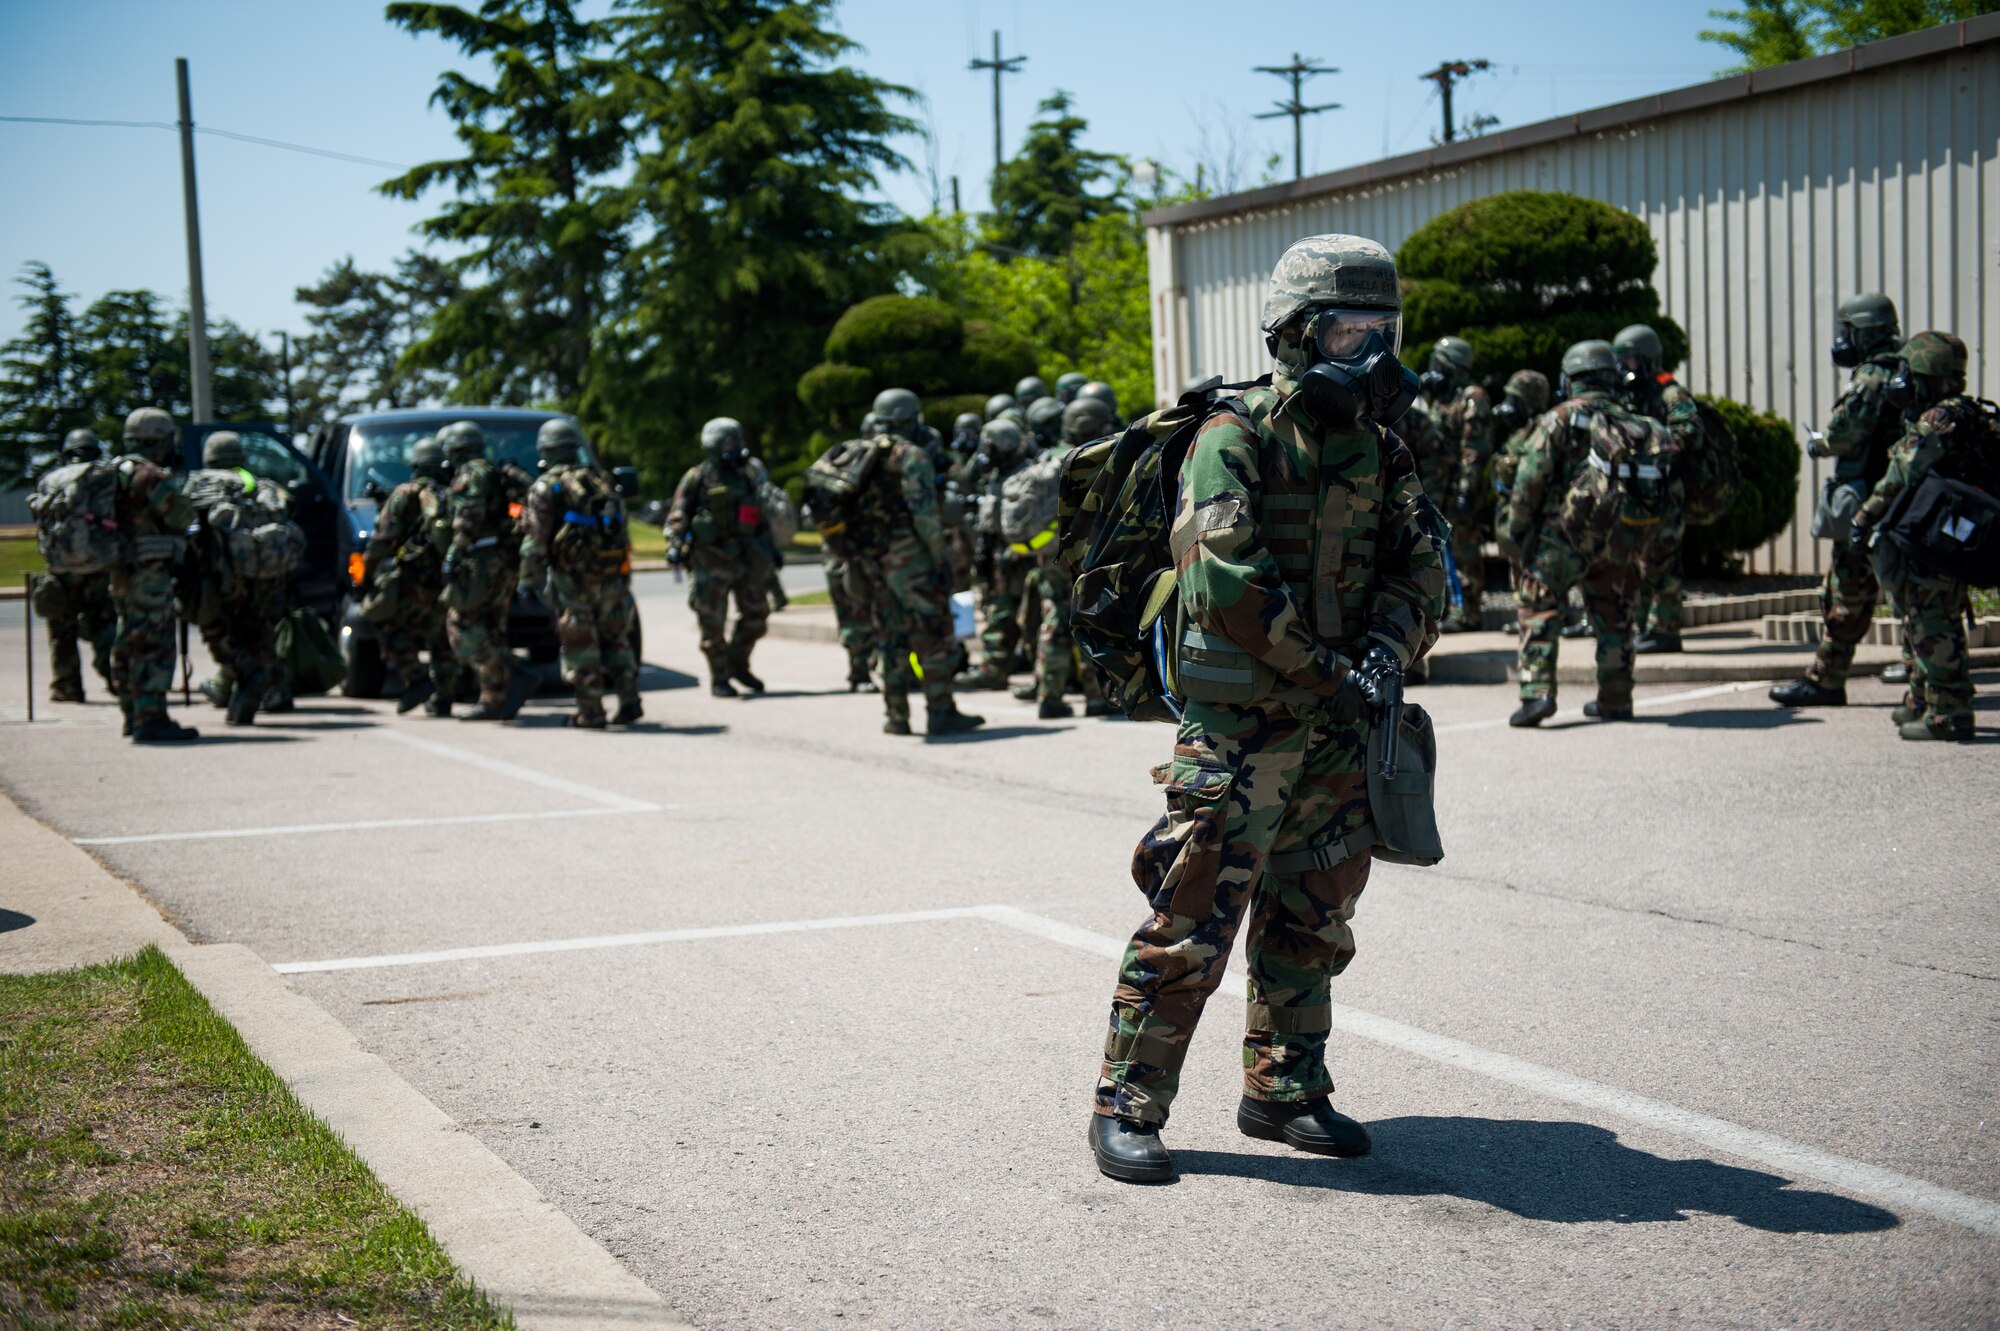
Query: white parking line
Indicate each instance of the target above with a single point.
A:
(1712, 691)
(1855, 1177)
(365, 825)
(607, 798)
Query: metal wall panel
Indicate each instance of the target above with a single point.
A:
(1767, 211)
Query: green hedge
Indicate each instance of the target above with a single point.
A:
(1768, 451)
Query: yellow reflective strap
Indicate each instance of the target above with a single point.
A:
(1041, 539)
(917, 666)
(249, 481)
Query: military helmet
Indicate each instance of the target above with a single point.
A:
(1001, 439)
(427, 455)
(224, 448)
(901, 411)
(1530, 388)
(966, 422)
(720, 433)
(1455, 352)
(1936, 355)
(1638, 340)
(82, 446)
(149, 431)
(1330, 270)
(1085, 419)
(462, 441)
(1592, 362)
(1066, 386)
(1103, 392)
(559, 441)
(1045, 416)
(1028, 390)
(998, 403)
(871, 425)
(1870, 309)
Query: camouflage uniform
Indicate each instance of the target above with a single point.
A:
(1945, 438)
(1866, 423)
(243, 636)
(1302, 547)
(1003, 583)
(857, 629)
(903, 576)
(484, 547)
(72, 606)
(1555, 451)
(1662, 600)
(725, 558)
(1466, 427)
(591, 596)
(404, 547)
(156, 513)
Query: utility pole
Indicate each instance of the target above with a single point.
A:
(285, 363)
(999, 65)
(200, 401)
(1298, 71)
(954, 196)
(1445, 75)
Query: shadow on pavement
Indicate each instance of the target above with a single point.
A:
(1563, 1173)
(1735, 718)
(10, 920)
(309, 725)
(654, 678)
(998, 732)
(209, 738)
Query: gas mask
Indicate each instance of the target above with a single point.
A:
(1434, 383)
(1846, 352)
(1509, 416)
(1353, 374)
(1909, 390)
(732, 454)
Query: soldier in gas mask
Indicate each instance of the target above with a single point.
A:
(1310, 572)
(716, 527)
(1463, 415)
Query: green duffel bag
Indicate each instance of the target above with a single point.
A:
(1404, 806)
(309, 653)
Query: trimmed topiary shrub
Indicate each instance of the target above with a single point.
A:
(837, 394)
(940, 412)
(1524, 274)
(993, 360)
(908, 342)
(1767, 448)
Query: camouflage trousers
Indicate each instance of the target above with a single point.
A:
(479, 598)
(1610, 594)
(243, 639)
(1252, 793)
(1662, 598)
(594, 622)
(908, 595)
(1934, 644)
(142, 650)
(709, 588)
(1467, 539)
(1001, 596)
(72, 606)
(1847, 608)
(1055, 651)
(857, 630)
(420, 625)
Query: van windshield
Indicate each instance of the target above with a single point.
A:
(380, 452)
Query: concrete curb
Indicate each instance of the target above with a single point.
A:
(521, 1251)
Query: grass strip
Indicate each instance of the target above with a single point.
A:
(154, 1173)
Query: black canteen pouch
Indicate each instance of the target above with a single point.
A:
(1404, 806)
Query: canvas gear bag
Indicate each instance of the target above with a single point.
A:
(1714, 474)
(75, 508)
(308, 653)
(249, 532)
(842, 489)
(1028, 504)
(591, 540)
(1624, 504)
(1115, 507)
(1948, 524)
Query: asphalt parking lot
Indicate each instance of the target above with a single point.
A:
(1696, 1025)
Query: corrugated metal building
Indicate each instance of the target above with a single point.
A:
(1772, 196)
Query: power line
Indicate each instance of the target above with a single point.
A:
(999, 64)
(1298, 71)
(1447, 73)
(218, 133)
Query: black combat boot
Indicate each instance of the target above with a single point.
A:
(216, 690)
(1054, 709)
(65, 692)
(1130, 1152)
(1532, 712)
(859, 681)
(1654, 644)
(439, 706)
(1907, 711)
(1805, 691)
(981, 680)
(1600, 710)
(628, 713)
(521, 686)
(162, 730)
(585, 720)
(243, 706)
(897, 725)
(1310, 1125)
(1957, 729)
(747, 680)
(948, 720)
(718, 687)
(1027, 692)
(414, 695)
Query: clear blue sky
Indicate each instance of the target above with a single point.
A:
(1170, 79)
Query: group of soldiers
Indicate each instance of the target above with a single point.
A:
(135, 550)
(453, 548)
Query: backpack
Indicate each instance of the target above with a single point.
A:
(1713, 475)
(308, 652)
(76, 517)
(1624, 503)
(1948, 523)
(779, 512)
(1115, 505)
(250, 535)
(591, 541)
(839, 488)
(1028, 503)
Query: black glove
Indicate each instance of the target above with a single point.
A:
(1378, 676)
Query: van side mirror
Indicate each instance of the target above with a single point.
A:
(627, 481)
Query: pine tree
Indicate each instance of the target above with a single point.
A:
(530, 200)
(41, 380)
(1774, 32)
(363, 325)
(757, 155)
(1042, 196)
(130, 359)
